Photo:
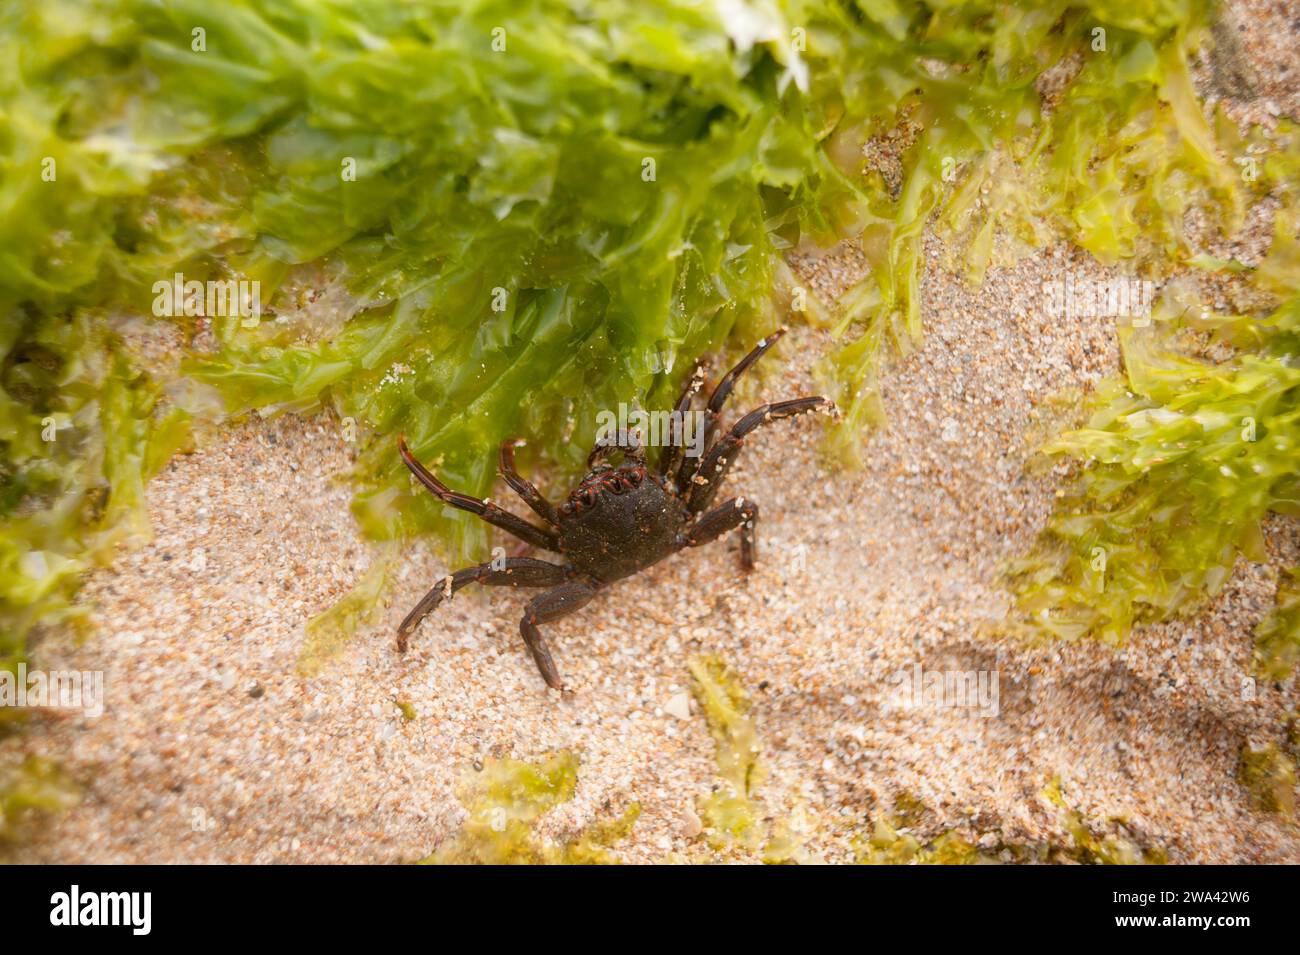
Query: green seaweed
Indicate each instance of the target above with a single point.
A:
(28, 790)
(729, 815)
(893, 843)
(1087, 848)
(733, 818)
(1181, 459)
(1116, 165)
(329, 631)
(1269, 776)
(1277, 638)
(407, 709)
(523, 213)
(887, 846)
(505, 798)
(82, 431)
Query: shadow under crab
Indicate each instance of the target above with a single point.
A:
(618, 520)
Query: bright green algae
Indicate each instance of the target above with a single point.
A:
(1277, 638)
(28, 790)
(733, 819)
(506, 797)
(475, 182)
(1183, 458)
(504, 262)
(1268, 774)
(892, 841)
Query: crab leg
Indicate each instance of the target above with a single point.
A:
(523, 487)
(671, 457)
(494, 515)
(516, 572)
(625, 441)
(737, 512)
(704, 485)
(558, 602)
(690, 466)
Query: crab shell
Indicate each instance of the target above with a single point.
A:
(620, 520)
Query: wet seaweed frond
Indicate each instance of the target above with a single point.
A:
(29, 790)
(328, 633)
(1181, 460)
(1269, 776)
(733, 817)
(504, 801)
(1277, 638)
(728, 812)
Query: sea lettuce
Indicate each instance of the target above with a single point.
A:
(1277, 638)
(29, 790)
(523, 213)
(1181, 460)
(733, 817)
(482, 218)
(540, 210)
(506, 797)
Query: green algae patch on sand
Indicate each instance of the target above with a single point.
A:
(506, 798)
(1277, 638)
(1268, 774)
(887, 846)
(28, 790)
(328, 633)
(82, 430)
(734, 820)
(1180, 461)
(892, 842)
(728, 813)
(407, 709)
(1087, 848)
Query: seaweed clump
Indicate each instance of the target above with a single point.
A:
(1087, 848)
(893, 842)
(1277, 638)
(1181, 460)
(733, 819)
(329, 631)
(888, 846)
(506, 798)
(29, 790)
(1268, 774)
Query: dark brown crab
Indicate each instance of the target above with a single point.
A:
(617, 521)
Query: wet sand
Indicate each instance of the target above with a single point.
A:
(214, 748)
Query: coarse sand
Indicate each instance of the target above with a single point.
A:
(213, 747)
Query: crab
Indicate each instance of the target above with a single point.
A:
(618, 520)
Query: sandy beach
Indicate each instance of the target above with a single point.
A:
(214, 747)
